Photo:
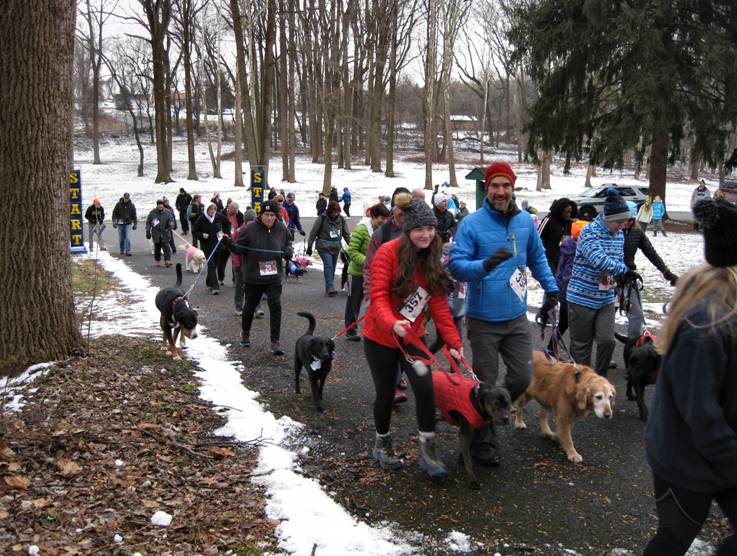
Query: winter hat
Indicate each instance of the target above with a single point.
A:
(417, 214)
(719, 220)
(576, 228)
(397, 192)
(269, 206)
(440, 198)
(333, 206)
(181, 190)
(633, 209)
(499, 169)
(126, 195)
(615, 208)
(290, 195)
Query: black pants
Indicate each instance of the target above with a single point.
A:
(347, 209)
(353, 303)
(383, 363)
(681, 514)
(221, 261)
(160, 246)
(273, 299)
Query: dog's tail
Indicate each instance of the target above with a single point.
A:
(621, 337)
(311, 319)
(179, 275)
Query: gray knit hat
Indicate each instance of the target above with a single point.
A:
(418, 214)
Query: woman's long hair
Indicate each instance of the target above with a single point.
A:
(714, 286)
(410, 260)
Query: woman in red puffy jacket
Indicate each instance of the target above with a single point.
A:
(407, 279)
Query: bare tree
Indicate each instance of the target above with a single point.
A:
(429, 102)
(39, 322)
(94, 15)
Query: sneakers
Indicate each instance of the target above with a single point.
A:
(259, 313)
(158, 263)
(215, 292)
(383, 453)
(276, 348)
(399, 396)
(238, 312)
(167, 264)
(352, 336)
(332, 293)
(128, 254)
(246, 342)
(429, 461)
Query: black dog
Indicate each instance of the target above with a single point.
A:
(178, 318)
(643, 363)
(346, 260)
(315, 354)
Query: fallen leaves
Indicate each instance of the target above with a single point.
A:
(68, 468)
(221, 452)
(17, 481)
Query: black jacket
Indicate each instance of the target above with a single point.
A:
(160, 224)
(634, 239)
(182, 202)
(124, 213)
(195, 211)
(203, 226)
(553, 227)
(691, 432)
(257, 236)
(446, 224)
(95, 215)
(321, 205)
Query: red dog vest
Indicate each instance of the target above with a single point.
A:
(453, 393)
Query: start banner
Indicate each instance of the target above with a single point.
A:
(258, 187)
(76, 235)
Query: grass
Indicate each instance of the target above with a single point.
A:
(83, 279)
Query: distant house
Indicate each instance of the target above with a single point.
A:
(462, 122)
(136, 99)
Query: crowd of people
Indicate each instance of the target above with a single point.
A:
(409, 261)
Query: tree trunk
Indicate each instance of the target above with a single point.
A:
(543, 172)
(482, 127)
(429, 104)
(291, 134)
(187, 52)
(240, 49)
(284, 92)
(383, 13)
(37, 313)
(390, 109)
(238, 156)
(267, 87)
(590, 172)
(658, 162)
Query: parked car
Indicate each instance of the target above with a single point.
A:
(591, 201)
(729, 189)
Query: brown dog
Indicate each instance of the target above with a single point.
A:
(568, 391)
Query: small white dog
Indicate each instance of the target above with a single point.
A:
(194, 258)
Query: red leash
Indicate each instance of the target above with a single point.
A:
(349, 327)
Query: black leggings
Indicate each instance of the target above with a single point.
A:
(383, 363)
(681, 514)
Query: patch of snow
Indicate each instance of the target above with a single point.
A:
(161, 518)
(458, 542)
(34, 550)
(700, 548)
(10, 386)
(117, 539)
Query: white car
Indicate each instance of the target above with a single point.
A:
(591, 201)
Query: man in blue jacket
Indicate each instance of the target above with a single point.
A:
(493, 249)
(599, 260)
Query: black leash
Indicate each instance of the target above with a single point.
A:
(556, 338)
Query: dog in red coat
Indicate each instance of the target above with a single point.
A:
(470, 405)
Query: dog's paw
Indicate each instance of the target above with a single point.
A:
(474, 484)
(177, 358)
(520, 426)
(551, 436)
(575, 457)
(164, 348)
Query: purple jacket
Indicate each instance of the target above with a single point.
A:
(565, 265)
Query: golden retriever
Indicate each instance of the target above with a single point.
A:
(568, 391)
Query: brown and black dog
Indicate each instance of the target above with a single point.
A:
(643, 364)
(178, 318)
(569, 391)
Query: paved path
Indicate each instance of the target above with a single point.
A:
(534, 499)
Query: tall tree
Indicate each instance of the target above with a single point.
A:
(611, 72)
(429, 101)
(39, 323)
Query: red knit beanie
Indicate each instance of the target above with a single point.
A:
(499, 169)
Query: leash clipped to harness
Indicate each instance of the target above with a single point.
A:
(429, 360)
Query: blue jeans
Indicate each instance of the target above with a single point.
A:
(329, 262)
(124, 237)
(184, 219)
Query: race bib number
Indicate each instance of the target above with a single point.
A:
(334, 234)
(606, 281)
(462, 290)
(415, 304)
(518, 283)
(267, 268)
(155, 222)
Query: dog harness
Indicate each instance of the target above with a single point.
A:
(453, 393)
(174, 302)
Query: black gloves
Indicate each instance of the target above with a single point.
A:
(550, 304)
(631, 276)
(302, 233)
(148, 235)
(672, 278)
(309, 252)
(497, 258)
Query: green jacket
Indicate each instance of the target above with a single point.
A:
(357, 248)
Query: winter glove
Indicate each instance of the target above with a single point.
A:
(630, 277)
(497, 258)
(114, 225)
(550, 304)
(309, 251)
(302, 233)
(148, 235)
(135, 226)
(672, 278)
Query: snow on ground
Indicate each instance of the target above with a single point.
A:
(307, 513)
(117, 175)
(11, 398)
